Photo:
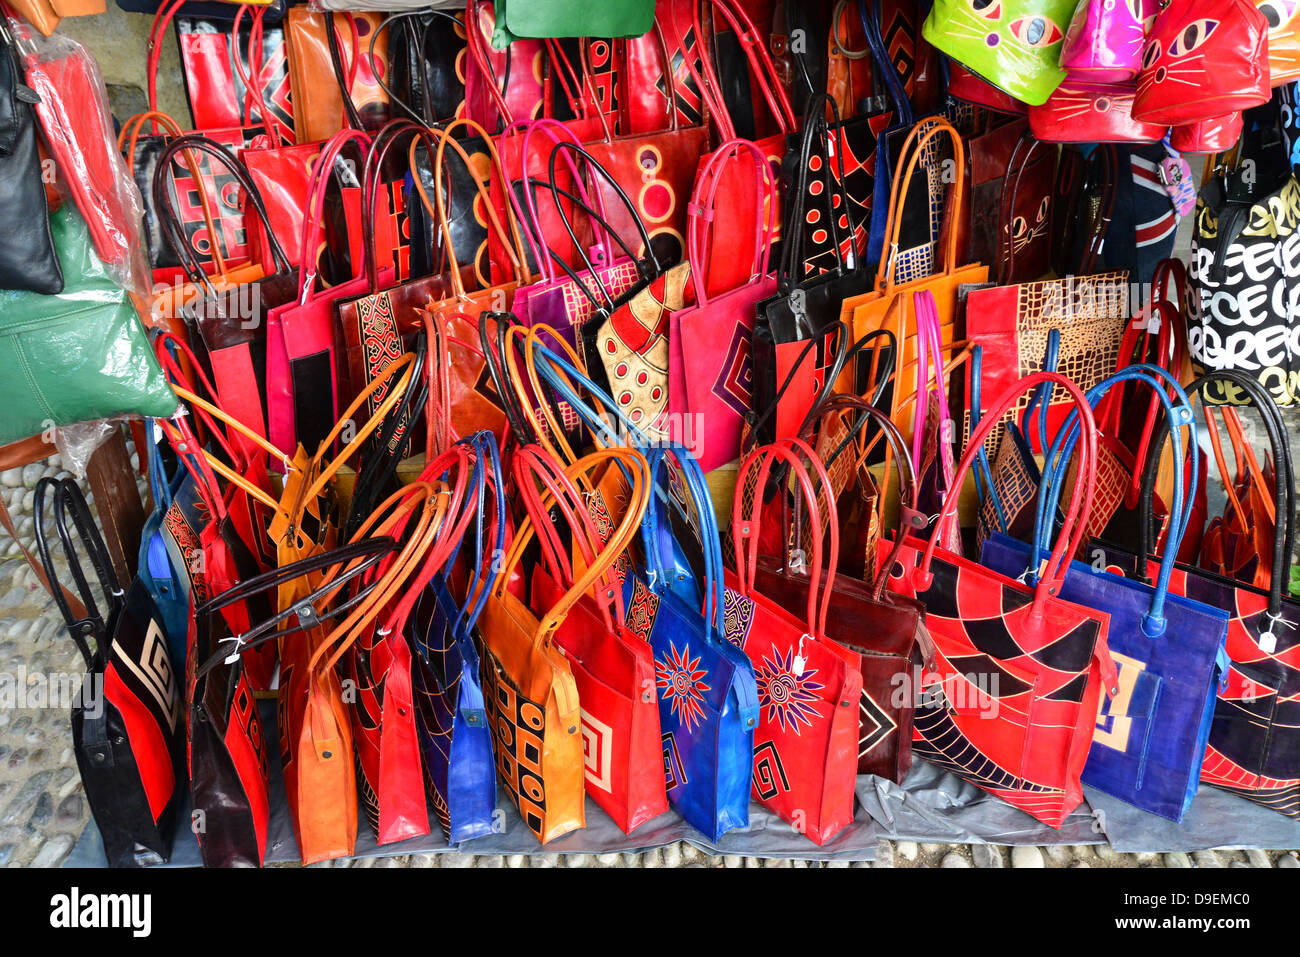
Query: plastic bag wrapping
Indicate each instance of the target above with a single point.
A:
(77, 443)
(77, 128)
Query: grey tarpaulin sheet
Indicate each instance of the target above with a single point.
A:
(1215, 819)
(932, 806)
(767, 835)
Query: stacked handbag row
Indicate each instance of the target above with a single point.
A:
(682, 421)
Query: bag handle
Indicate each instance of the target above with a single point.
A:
(489, 477)
(747, 522)
(314, 210)
(701, 213)
(127, 141)
(1283, 493)
(647, 275)
(345, 73)
(391, 384)
(356, 558)
(386, 449)
(1053, 572)
(635, 465)
(559, 374)
(910, 516)
(930, 353)
(526, 212)
(913, 148)
(884, 64)
(697, 489)
(1180, 413)
(532, 465)
(792, 267)
(760, 64)
(68, 497)
(167, 214)
(512, 241)
(422, 36)
(457, 469)
(253, 79)
(393, 516)
(371, 176)
(1007, 204)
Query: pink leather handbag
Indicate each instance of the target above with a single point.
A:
(1103, 43)
(300, 335)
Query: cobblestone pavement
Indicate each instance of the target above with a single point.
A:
(43, 810)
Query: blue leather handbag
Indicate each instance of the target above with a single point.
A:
(170, 558)
(455, 739)
(1150, 737)
(708, 697)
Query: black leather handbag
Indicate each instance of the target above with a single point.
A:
(27, 257)
(127, 733)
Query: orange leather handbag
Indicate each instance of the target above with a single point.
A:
(459, 312)
(893, 296)
(529, 688)
(316, 86)
(316, 744)
(613, 668)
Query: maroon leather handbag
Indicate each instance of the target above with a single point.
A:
(1203, 58)
(886, 629)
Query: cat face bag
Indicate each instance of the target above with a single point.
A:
(1203, 58)
(1013, 44)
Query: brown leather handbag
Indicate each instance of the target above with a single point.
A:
(473, 407)
(888, 631)
(318, 75)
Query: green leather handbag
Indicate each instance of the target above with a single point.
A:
(1013, 44)
(77, 356)
(539, 19)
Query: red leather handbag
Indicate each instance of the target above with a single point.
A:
(645, 79)
(1215, 135)
(887, 630)
(236, 74)
(966, 86)
(655, 167)
(1079, 111)
(710, 357)
(735, 190)
(302, 381)
(612, 666)
(373, 652)
(809, 687)
(1203, 58)
(1012, 703)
